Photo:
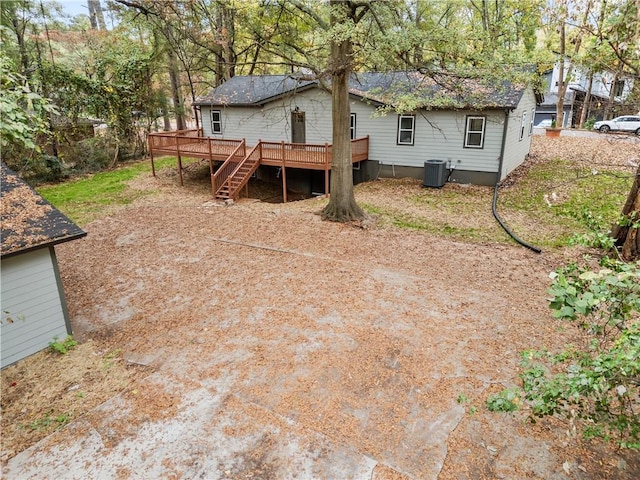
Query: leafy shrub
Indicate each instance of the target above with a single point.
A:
(92, 154)
(35, 167)
(505, 401)
(63, 346)
(599, 383)
(598, 233)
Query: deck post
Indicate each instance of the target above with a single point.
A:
(244, 156)
(326, 170)
(150, 146)
(367, 147)
(213, 187)
(179, 160)
(284, 176)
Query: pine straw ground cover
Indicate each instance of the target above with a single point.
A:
(45, 391)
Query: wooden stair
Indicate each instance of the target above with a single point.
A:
(232, 185)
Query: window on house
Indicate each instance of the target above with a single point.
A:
(533, 115)
(353, 126)
(523, 124)
(406, 129)
(619, 88)
(216, 121)
(474, 134)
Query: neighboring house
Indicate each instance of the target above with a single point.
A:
(574, 99)
(34, 310)
(482, 139)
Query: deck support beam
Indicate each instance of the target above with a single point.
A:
(327, 164)
(150, 147)
(179, 160)
(211, 172)
(284, 176)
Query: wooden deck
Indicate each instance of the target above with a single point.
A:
(191, 144)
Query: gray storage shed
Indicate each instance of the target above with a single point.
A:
(32, 299)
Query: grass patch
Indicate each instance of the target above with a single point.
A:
(87, 198)
(548, 205)
(430, 222)
(562, 201)
(603, 194)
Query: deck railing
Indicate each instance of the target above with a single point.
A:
(295, 153)
(161, 140)
(223, 173)
(360, 149)
(191, 143)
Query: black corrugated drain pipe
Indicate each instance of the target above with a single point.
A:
(495, 191)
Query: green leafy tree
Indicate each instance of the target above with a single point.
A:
(23, 112)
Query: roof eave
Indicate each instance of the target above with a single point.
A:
(50, 243)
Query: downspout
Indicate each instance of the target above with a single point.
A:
(495, 190)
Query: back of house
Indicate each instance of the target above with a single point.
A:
(481, 133)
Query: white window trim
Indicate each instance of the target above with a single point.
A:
(413, 129)
(481, 132)
(218, 122)
(352, 126)
(533, 116)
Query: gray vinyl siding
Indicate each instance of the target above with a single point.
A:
(516, 150)
(438, 134)
(273, 121)
(31, 297)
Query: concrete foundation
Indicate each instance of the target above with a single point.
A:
(457, 176)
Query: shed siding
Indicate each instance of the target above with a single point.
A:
(30, 297)
(516, 150)
(438, 134)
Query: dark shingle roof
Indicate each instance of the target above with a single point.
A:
(253, 90)
(391, 88)
(28, 221)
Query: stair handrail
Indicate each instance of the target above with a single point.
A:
(222, 171)
(245, 179)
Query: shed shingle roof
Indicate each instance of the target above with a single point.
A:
(440, 92)
(28, 221)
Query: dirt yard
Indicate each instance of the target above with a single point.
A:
(262, 342)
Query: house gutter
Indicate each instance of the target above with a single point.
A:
(495, 189)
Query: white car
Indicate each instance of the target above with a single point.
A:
(626, 123)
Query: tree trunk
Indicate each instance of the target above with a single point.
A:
(24, 59)
(342, 206)
(174, 77)
(609, 109)
(626, 236)
(587, 101)
(562, 88)
(96, 16)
